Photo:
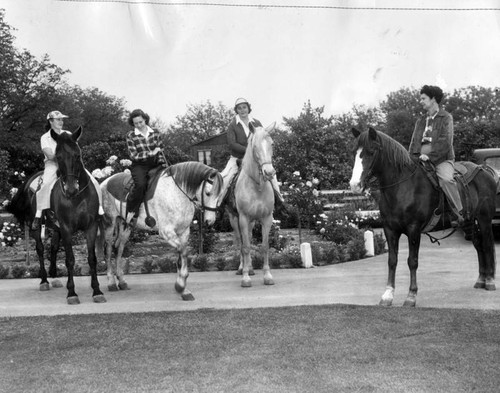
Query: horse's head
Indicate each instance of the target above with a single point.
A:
(261, 145)
(209, 195)
(69, 160)
(366, 151)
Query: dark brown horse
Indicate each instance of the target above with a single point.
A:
(408, 201)
(75, 204)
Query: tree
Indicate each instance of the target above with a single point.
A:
(200, 122)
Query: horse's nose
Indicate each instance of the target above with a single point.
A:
(268, 171)
(355, 186)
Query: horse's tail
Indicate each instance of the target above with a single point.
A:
(20, 205)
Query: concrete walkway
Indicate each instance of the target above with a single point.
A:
(446, 276)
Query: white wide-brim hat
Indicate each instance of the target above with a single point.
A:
(55, 115)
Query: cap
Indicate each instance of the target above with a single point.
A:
(55, 115)
(240, 101)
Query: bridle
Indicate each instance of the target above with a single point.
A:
(194, 200)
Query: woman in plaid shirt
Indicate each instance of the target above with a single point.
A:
(145, 148)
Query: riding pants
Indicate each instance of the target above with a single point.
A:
(139, 172)
(445, 172)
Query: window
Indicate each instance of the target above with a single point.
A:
(204, 156)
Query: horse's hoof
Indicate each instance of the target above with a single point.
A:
(99, 299)
(480, 285)
(246, 283)
(57, 283)
(73, 300)
(385, 303)
(490, 286)
(112, 288)
(410, 303)
(251, 272)
(268, 281)
(45, 286)
(239, 272)
(123, 286)
(187, 296)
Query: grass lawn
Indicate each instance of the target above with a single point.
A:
(297, 349)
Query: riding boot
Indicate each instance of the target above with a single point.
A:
(457, 219)
(35, 225)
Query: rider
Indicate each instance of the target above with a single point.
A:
(237, 138)
(145, 148)
(55, 121)
(432, 140)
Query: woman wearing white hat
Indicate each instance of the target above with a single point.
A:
(55, 121)
(237, 138)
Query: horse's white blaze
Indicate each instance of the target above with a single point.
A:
(357, 171)
(388, 294)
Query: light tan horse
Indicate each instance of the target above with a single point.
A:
(254, 197)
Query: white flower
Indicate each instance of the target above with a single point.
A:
(296, 173)
(1, 235)
(323, 215)
(195, 222)
(107, 171)
(3, 244)
(16, 173)
(97, 173)
(322, 231)
(125, 163)
(22, 174)
(5, 203)
(111, 160)
(9, 238)
(315, 181)
(315, 192)
(309, 183)
(13, 191)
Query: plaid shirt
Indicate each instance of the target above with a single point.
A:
(140, 146)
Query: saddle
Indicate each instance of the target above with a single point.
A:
(465, 172)
(121, 184)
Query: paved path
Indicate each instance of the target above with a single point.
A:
(446, 276)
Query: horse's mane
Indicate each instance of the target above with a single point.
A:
(392, 153)
(189, 176)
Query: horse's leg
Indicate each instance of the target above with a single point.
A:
(124, 235)
(91, 234)
(393, 246)
(44, 284)
(236, 239)
(266, 227)
(54, 248)
(182, 267)
(413, 248)
(108, 247)
(72, 297)
(245, 250)
(484, 244)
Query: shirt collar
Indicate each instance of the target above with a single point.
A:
(434, 115)
(238, 120)
(138, 132)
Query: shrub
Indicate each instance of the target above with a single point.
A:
(356, 248)
(317, 253)
(4, 171)
(220, 263)
(257, 260)
(34, 271)
(291, 257)
(62, 271)
(210, 237)
(334, 254)
(4, 271)
(148, 266)
(276, 241)
(200, 263)
(18, 271)
(166, 265)
(379, 243)
(10, 234)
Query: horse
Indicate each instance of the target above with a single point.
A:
(254, 200)
(408, 202)
(74, 203)
(181, 189)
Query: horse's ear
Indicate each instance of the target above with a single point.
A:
(372, 133)
(77, 134)
(270, 127)
(355, 132)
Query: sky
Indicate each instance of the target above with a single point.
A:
(162, 56)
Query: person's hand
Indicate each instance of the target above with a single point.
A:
(424, 157)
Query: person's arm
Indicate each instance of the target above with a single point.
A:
(132, 149)
(443, 141)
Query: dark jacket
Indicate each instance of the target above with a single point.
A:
(237, 139)
(442, 138)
